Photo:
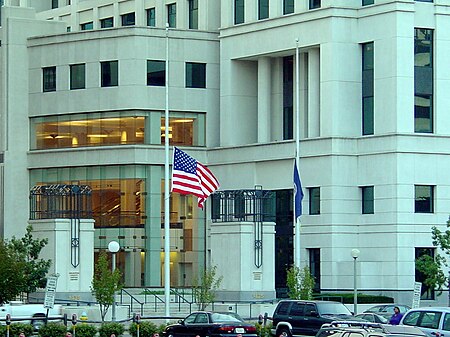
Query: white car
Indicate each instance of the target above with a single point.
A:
(434, 321)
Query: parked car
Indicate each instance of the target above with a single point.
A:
(374, 318)
(296, 317)
(387, 310)
(33, 314)
(212, 324)
(434, 321)
(367, 329)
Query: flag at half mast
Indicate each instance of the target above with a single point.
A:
(191, 177)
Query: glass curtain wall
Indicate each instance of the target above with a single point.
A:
(128, 207)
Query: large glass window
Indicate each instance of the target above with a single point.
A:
(367, 89)
(239, 11)
(151, 17)
(288, 6)
(128, 19)
(313, 4)
(193, 14)
(49, 79)
(87, 26)
(172, 15)
(423, 80)
(288, 97)
(186, 129)
(77, 76)
(109, 73)
(424, 195)
(195, 75)
(367, 198)
(427, 293)
(314, 200)
(107, 22)
(263, 9)
(156, 73)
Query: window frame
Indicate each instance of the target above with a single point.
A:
(193, 14)
(125, 19)
(190, 80)
(172, 15)
(87, 25)
(151, 16)
(104, 20)
(263, 9)
(155, 82)
(418, 208)
(77, 83)
(113, 75)
(239, 12)
(367, 205)
(49, 84)
(314, 200)
(367, 88)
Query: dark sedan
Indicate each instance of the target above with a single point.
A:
(212, 324)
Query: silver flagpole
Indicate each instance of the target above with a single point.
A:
(297, 148)
(166, 189)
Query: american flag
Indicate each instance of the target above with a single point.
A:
(191, 177)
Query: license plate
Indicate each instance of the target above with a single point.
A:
(239, 330)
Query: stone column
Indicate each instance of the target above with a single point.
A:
(264, 99)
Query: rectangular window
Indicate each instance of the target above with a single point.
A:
(367, 200)
(49, 79)
(427, 293)
(288, 97)
(263, 9)
(128, 19)
(195, 75)
(151, 17)
(77, 76)
(54, 4)
(423, 80)
(424, 199)
(314, 200)
(367, 2)
(238, 11)
(314, 267)
(109, 73)
(193, 14)
(87, 26)
(313, 4)
(367, 83)
(172, 15)
(288, 6)
(107, 22)
(156, 73)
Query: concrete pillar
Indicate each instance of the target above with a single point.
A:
(73, 281)
(264, 98)
(314, 92)
(242, 279)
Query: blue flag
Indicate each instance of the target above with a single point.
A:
(298, 193)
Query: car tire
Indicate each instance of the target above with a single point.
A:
(284, 332)
(37, 323)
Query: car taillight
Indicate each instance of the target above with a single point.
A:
(227, 328)
(251, 329)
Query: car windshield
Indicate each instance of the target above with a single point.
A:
(224, 318)
(332, 309)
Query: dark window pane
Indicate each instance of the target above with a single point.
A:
(423, 113)
(263, 9)
(238, 11)
(109, 73)
(288, 97)
(156, 73)
(128, 19)
(288, 6)
(195, 75)
(87, 26)
(151, 17)
(367, 2)
(107, 23)
(367, 199)
(314, 4)
(367, 88)
(314, 267)
(424, 199)
(49, 79)
(368, 116)
(54, 4)
(172, 15)
(193, 14)
(77, 76)
(314, 200)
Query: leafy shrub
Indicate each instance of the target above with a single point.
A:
(85, 330)
(146, 329)
(52, 330)
(16, 328)
(107, 329)
(263, 330)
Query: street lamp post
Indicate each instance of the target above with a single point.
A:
(355, 254)
(113, 247)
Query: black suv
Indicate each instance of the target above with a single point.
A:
(367, 329)
(295, 317)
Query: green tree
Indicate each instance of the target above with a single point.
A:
(11, 280)
(105, 284)
(300, 283)
(204, 290)
(27, 250)
(431, 268)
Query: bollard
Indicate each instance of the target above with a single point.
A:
(8, 323)
(74, 323)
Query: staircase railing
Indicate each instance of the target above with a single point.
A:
(133, 299)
